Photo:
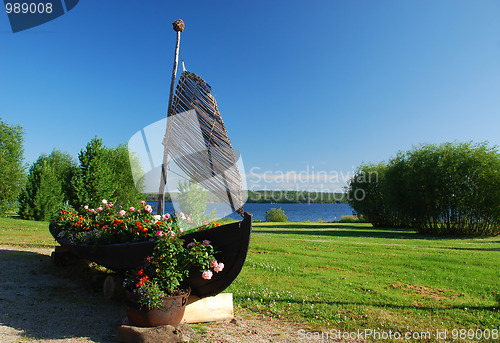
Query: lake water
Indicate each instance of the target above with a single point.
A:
(295, 212)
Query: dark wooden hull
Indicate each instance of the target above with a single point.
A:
(117, 257)
(230, 240)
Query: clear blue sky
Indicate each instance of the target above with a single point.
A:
(303, 86)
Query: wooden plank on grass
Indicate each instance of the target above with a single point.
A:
(209, 309)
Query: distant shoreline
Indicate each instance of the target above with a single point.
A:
(277, 197)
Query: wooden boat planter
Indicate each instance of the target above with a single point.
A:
(230, 241)
(196, 140)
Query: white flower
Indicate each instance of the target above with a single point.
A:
(157, 217)
(104, 201)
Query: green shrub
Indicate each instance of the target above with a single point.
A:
(276, 215)
(353, 219)
(48, 186)
(367, 197)
(451, 188)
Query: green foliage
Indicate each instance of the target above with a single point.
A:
(125, 191)
(366, 195)
(447, 188)
(42, 195)
(11, 165)
(65, 168)
(170, 264)
(352, 219)
(95, 178)
(193, 202)
(48, 186)
(275, 215)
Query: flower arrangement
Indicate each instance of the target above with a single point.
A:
(109, 224)
(172, 261)
(163, 272)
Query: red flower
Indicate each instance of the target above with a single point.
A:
(142, 281)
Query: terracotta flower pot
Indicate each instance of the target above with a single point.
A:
(170, 313)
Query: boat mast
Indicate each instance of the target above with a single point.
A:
(178, 27)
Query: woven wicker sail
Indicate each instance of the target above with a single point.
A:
(197, 140)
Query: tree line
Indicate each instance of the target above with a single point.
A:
(100, 172)
(451, 188)
(297, 197)
(273, 196)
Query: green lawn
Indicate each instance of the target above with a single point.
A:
(26, 233)
(351, 276)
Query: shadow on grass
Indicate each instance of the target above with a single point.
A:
(49, 302)
(346, 230)
(340, 230)
(307, 303)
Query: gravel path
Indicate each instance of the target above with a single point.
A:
(42, 302)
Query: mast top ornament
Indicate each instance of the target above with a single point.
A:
(178, 25)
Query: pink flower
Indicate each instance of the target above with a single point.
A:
(219, 267)
(181, 230)
(122, 213)
(207, 274)
(191, 245)
(86, 207)
(160, 233)
(213, 264)
(148, 208)
(172, 233)
(99, 208)
(132, 209)
(167, 215)
(188, 219)
(205, 242)
(143, 202)
(182, 215)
